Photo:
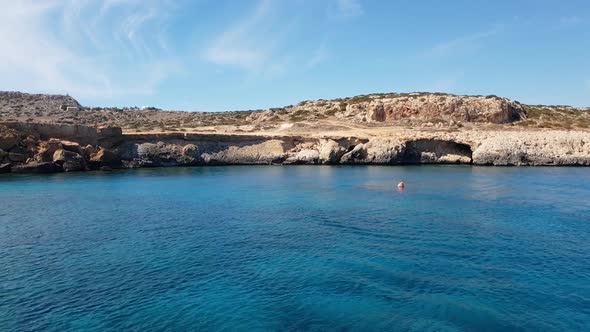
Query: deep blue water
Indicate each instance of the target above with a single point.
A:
(297, 248)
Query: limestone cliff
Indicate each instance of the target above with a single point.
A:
(28, 152)
(376, 129)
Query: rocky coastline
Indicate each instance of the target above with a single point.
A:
(30, 148)
(52, 133)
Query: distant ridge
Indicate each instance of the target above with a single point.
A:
(386, 109)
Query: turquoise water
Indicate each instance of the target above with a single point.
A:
(297, 248)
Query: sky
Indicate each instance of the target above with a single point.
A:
(217, 55)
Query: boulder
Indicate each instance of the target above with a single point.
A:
(36, 167)
(308, 156)
(72, 146)
(356, 155)
(330, 152)
(105, 158)
(88, 151)
(47, 149)
(70, 161)
(304, 157)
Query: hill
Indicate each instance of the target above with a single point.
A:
(408, 110)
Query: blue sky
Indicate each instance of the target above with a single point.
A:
(215, 55)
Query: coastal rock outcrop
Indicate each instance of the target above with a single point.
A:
(506, 147)
(144, 154)
(266, 152)
(69, 161)
(535, 149)
(433, 107)
(435, 151)
(330, 151)
(104, 158)
(36, 167)
(8, 138)
(358, 154)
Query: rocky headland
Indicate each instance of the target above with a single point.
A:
(51, 133)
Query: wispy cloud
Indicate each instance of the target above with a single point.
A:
(320, 55)
(259, 44)
(463, 43)
(76, 57)
(349, 8)
(247, 44)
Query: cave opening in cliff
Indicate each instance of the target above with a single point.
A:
(424, 151)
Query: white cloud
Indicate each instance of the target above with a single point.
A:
(77, 56)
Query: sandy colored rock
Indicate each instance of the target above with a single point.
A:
(384, 129)
(8, 138)
(330, 151)
(69, 161)
(106, 158)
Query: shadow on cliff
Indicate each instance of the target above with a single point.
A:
(424, 151)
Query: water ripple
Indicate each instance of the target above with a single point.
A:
(297, 248)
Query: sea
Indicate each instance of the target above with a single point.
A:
(297, 248)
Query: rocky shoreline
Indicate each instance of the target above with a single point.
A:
(55, 133)
(46, 148)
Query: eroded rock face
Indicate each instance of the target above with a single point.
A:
(358, 155)
(105, 158)
(69, 161)
(434, 151)
(410, 147)
(330, 151)
(47, 149)
(435, 107)
(305, 157)
(153, 154)
(376, 112)
(255, 153)
(36, 167)
(8, 138)
(534, 149)
(192, 151)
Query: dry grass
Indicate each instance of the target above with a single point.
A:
(556, 117)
